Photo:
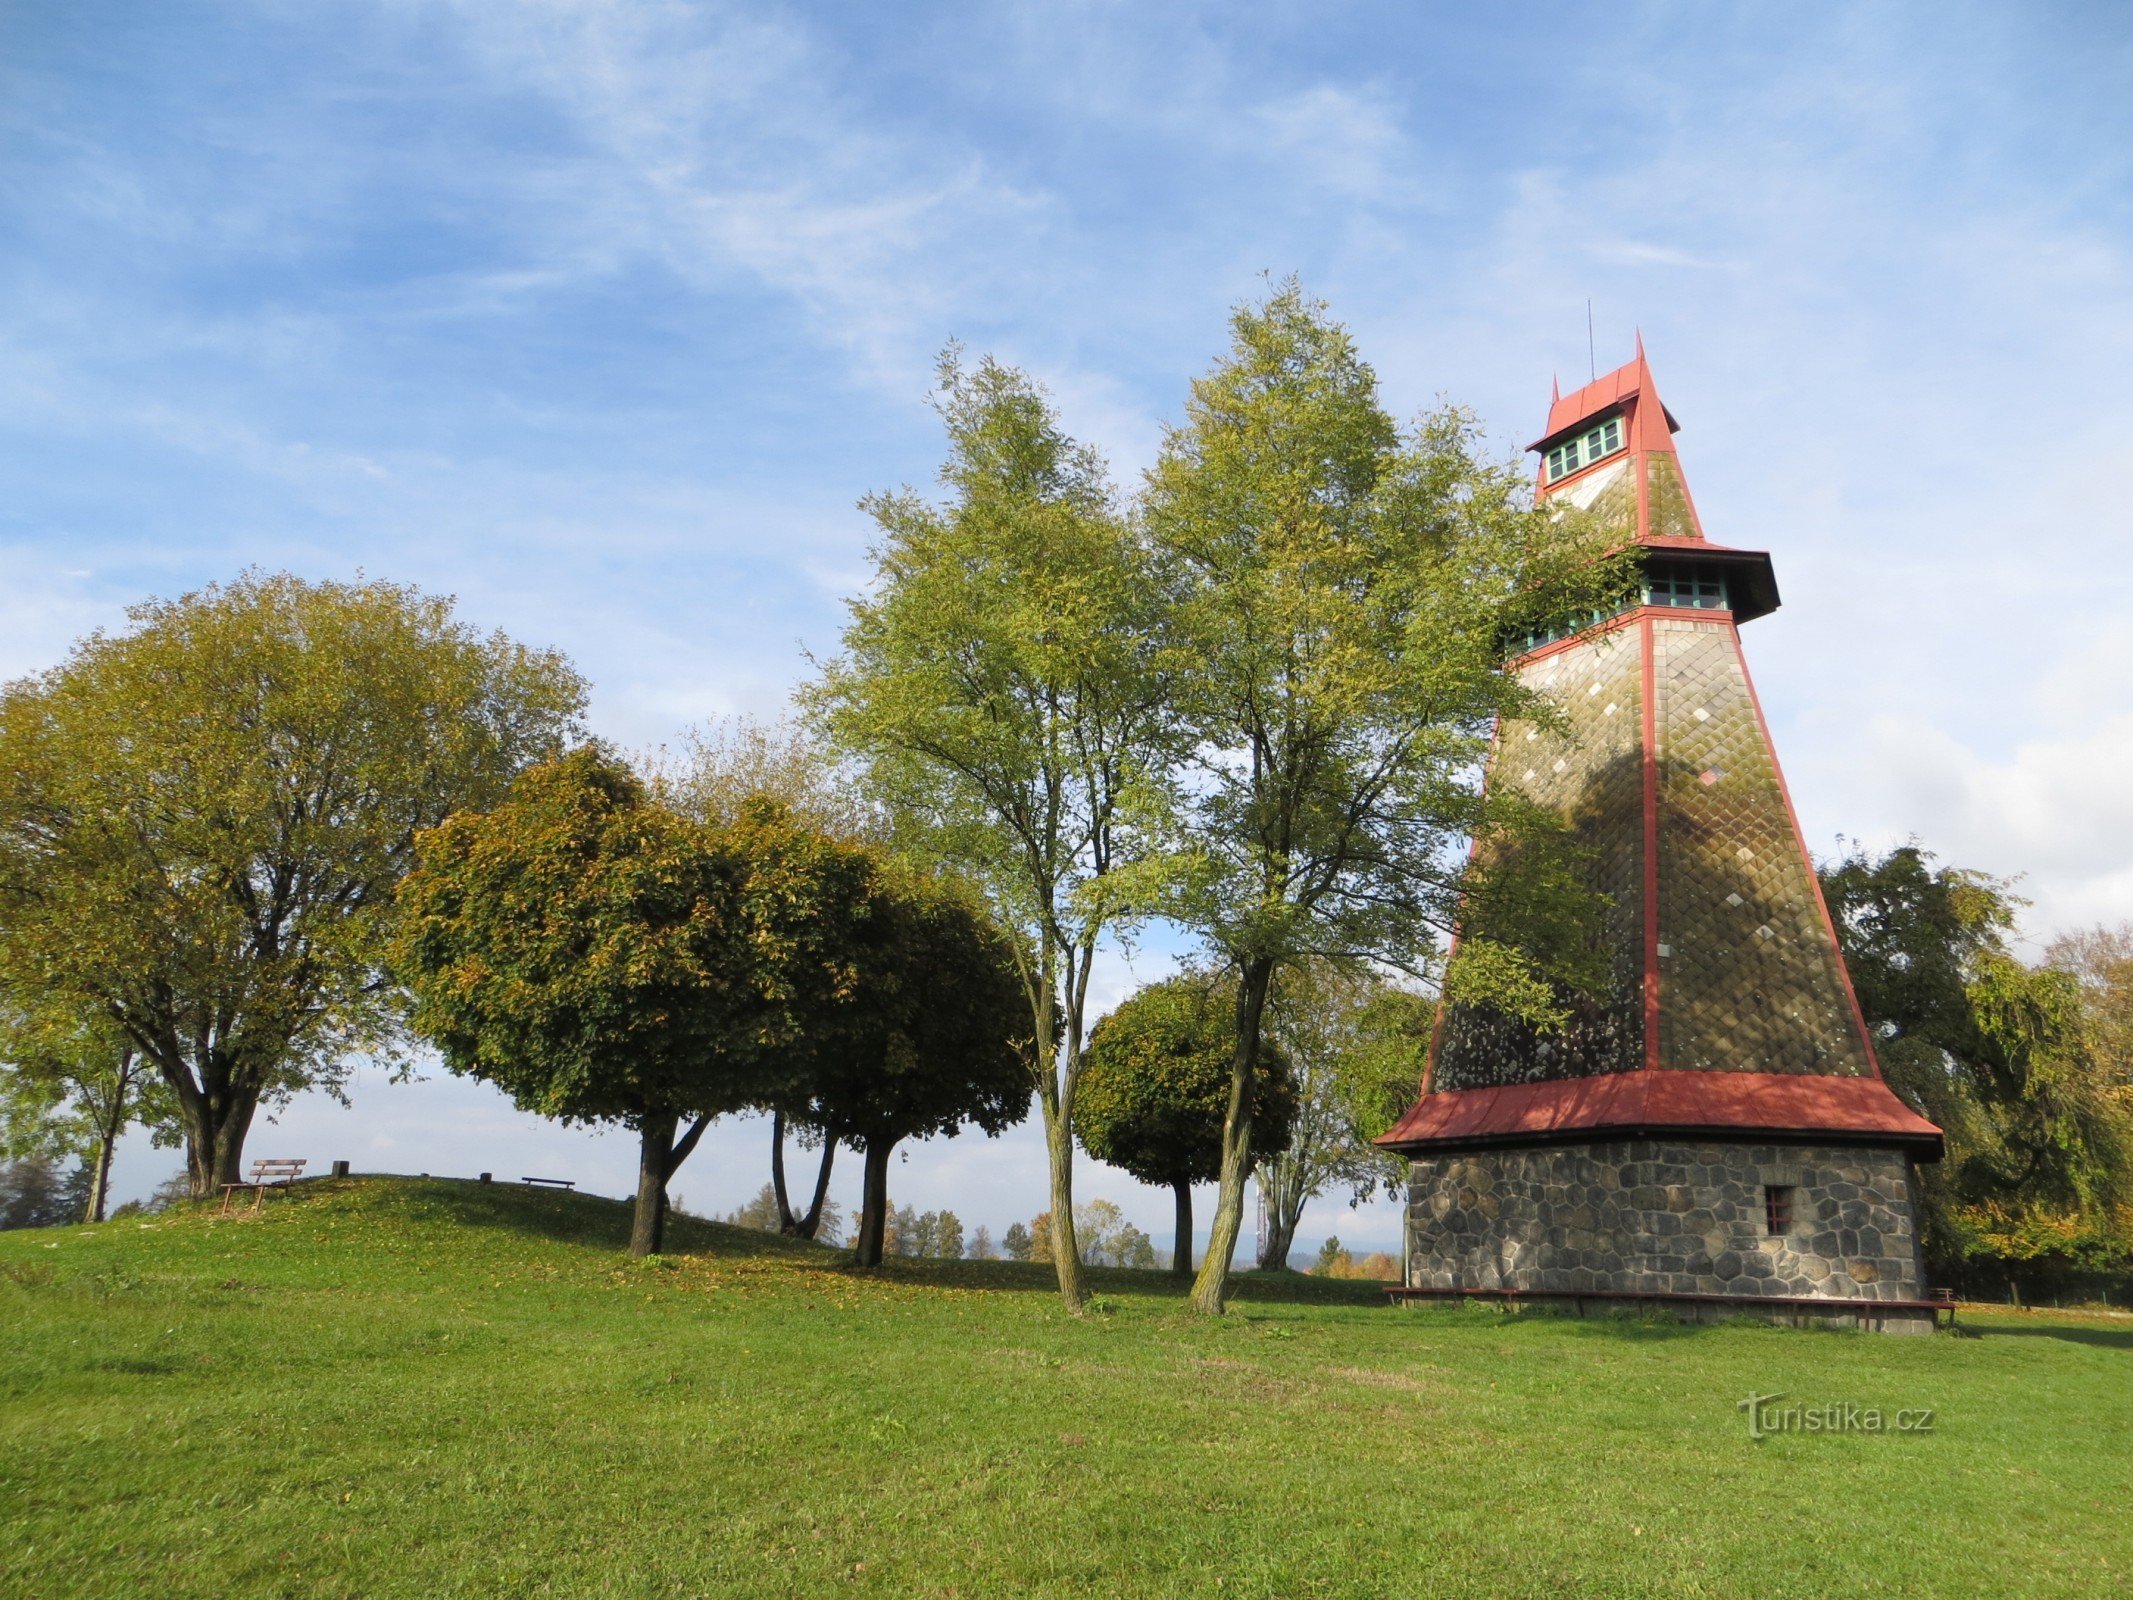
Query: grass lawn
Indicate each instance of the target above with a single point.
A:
(421, 1388)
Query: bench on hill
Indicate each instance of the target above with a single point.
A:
(276, 1172)
(551, 1183)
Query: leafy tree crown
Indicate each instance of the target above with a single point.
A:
(1157, 1083)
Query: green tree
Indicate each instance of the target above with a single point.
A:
(760, 1213)
(1040, 1234)
(726, 766)
(823, 907)
(2101, 962)
(202, 820)
(948, 1236)
(1157, 1084)
(34, 1195)
(1014, 1243)
(747, 772)
(1109, 1240)
(1000, 676)
(904, 1233)
(924, 1233)
(1342, 597)
(2063, 1137)
(173, 1190)
(588, 952)
(1356, 1046)
(2015, 1063)
(75, 1089)
(1333, 1261)
(931, 1035)
(895, 1002)
(1914, 936)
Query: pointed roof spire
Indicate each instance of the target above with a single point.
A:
(1663, 509)
(1652, 424)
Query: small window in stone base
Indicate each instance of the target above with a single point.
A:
(1777, 1207)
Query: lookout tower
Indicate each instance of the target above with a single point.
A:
(1712, 1133)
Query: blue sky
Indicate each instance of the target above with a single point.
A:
(601, 317)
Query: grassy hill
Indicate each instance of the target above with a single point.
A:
(424, 1388)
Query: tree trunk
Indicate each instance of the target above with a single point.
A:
(686, 1143)
(1210, 1290)
(1181, 1257)
(199, 1159)
(107, 1132)
(787, 1222)
(655, 1161)
(800, 1227)
(1281, 1224)
(874, 1204)
(216, 1123)
(1287, 1188)
(1066, 1249)
(811, 1224)
(100, 1179)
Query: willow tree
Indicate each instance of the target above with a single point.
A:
(1343, 591)
(2023, 1067)
(1002, 677)
(203, 818)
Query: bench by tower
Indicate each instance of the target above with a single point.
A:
(275, 1172)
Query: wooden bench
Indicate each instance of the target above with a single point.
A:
(551, 1183)
(276, 1172)
(1942, 1300)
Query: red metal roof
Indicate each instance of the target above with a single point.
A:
(1669, 541)
(1628, 382)
(1648, 430)
(1649, 1101)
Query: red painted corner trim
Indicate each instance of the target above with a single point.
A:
(1651, 844)
(1807, 860)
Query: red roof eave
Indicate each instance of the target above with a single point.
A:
(1778, 1104)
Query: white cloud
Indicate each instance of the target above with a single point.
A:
(1344, 141)
(716, 142)
(2057, 811)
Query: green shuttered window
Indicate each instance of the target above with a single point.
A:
(1596, 443)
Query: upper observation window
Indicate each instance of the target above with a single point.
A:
(1681, 586)
(1596, 443)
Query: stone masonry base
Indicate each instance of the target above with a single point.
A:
(1667, 1217)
